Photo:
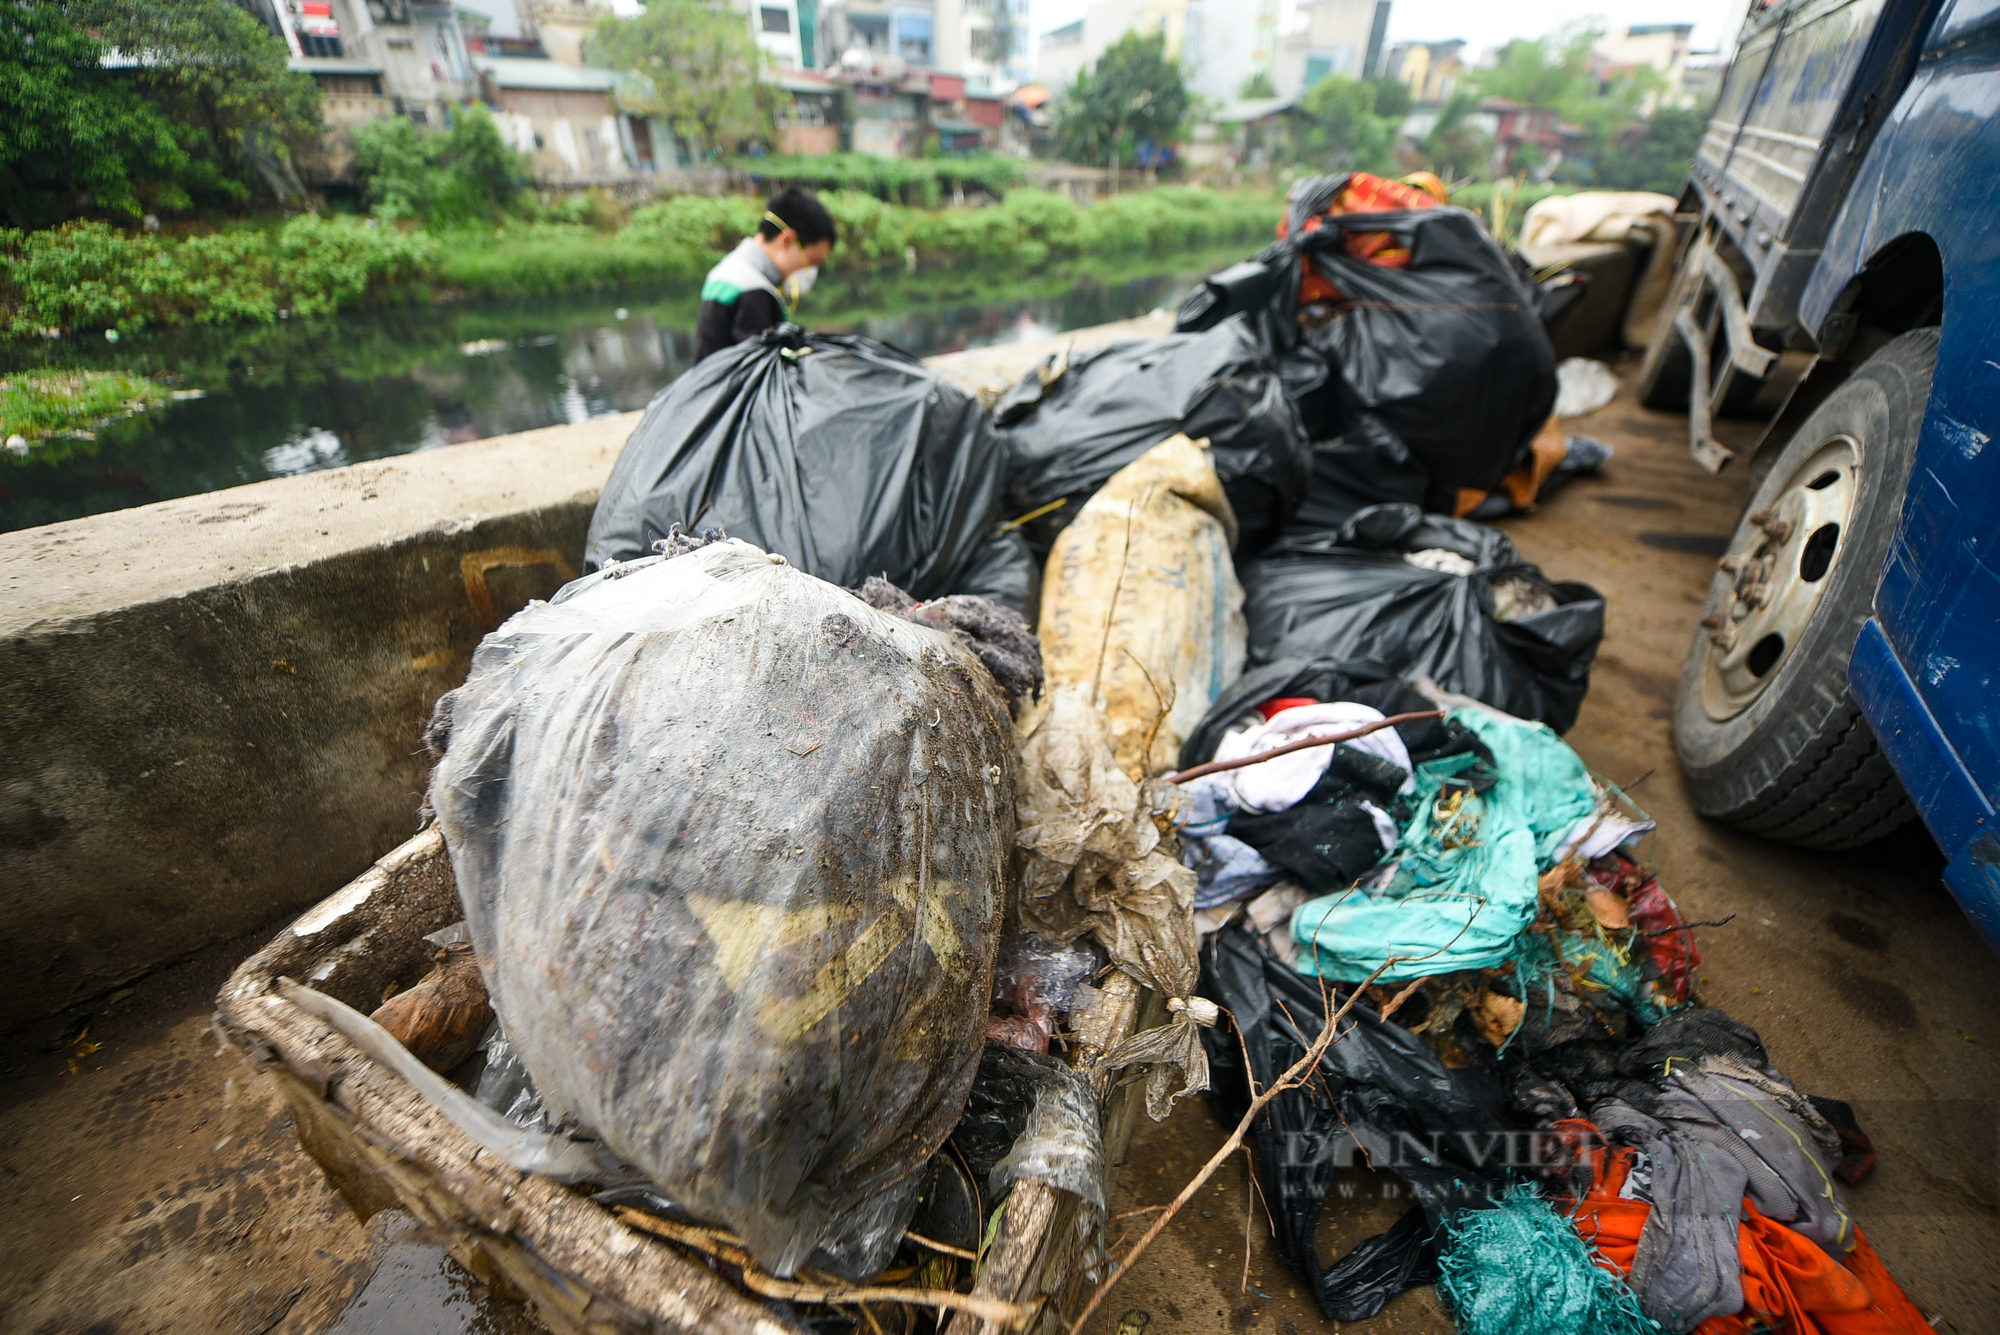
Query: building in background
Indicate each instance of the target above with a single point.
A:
(1432, 71)
(563, 118)
(775, 25)
(1227, 42)
(1063, 53)
(1341, 37)
(1658, 46)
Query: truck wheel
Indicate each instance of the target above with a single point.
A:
(1767, 731)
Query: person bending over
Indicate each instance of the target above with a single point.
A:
(753, 287)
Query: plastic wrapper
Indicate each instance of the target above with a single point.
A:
(1077, 419)
(844, 455)
(1352, 594)
(1033, 1118)
(732, 846)
(1033, 985)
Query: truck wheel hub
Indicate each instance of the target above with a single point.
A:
(1778, 572)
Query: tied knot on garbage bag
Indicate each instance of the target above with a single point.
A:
(1158, 1054)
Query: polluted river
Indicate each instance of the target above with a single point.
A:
(256, 402)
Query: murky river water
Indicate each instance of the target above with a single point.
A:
(298, 396)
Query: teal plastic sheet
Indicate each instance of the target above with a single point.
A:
(1464, 880)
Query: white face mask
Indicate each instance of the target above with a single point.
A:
(801, 283)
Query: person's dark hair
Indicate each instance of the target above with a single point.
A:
(802, 212)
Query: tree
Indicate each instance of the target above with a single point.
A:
(120, 107)
(1133, 98)
(1392, 96)
(1340, 130)
(1455, 147)
(698, 71)
(1559, 72)
(461, 175)
(1656, 157)
(1257, 85)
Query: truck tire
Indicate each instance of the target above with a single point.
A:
(1766, 728)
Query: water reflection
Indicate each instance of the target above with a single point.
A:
(297, 397)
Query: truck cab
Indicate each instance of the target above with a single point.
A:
(1841, 284)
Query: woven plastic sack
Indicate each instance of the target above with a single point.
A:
(1141, 629)
(732, 846)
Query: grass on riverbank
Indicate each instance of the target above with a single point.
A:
(71, 403)
(88, 276)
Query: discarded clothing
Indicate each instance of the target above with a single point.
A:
(1351, 595)
(1326, 847)
(1793, 1286)
(1466, 880)
(1226, 869)
(1282, 781)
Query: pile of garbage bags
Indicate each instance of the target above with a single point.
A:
(816, 887)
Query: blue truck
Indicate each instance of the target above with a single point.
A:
(1841, 282)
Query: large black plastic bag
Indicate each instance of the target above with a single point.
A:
(1068, 434)
(851, 459)
(1350, 594)
(1447, 353)
(732, 847)
(1378, 1084)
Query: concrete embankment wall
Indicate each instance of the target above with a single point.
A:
(210, 708)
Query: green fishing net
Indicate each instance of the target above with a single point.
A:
(1519, 1268)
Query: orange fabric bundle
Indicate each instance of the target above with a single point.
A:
(1365, 193)
(1789, 1281)
(1607, 1221)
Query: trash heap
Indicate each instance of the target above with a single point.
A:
(1589, 1149)
(821, 908)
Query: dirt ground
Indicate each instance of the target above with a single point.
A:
(148, 1184)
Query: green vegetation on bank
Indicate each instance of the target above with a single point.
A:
(88, 276)
(115, 107)
(71, 402)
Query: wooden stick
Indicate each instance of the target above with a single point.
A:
(1218, 766)
(755, 1280)
(937, 1246)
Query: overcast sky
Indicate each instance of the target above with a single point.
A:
(1486, 24)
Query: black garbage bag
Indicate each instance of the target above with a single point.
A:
(1448, 352)
(842, 454)
(1068, 433)
(1441, 1131)
(732, 846)
(1500, 632)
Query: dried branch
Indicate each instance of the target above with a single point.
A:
(1218, 766)
(1294, 1076)
(770, 1286)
